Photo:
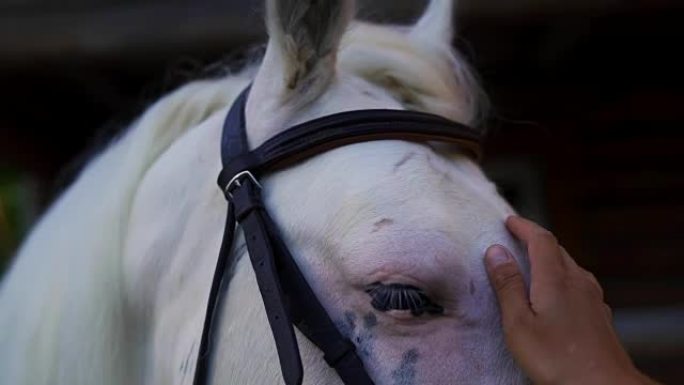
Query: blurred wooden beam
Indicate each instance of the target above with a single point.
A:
(111, 31)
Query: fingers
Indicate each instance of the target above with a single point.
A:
(550, 262)
(508, 283)
(546, 259)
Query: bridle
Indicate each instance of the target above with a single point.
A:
(288, 298)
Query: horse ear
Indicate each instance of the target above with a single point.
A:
(304, 39)
(436, 26)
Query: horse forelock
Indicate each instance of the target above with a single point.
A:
(433, 78)
(376, 66)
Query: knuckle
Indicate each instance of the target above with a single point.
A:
(545, 236)
(590, 283)
(598, 290)
(507, 277)
(589, 289)
(562, 285)
(587, 274)
(590, 276)
(586, 289)
(577, 281)
(608, 310)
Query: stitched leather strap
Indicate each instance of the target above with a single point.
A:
(290, 300)
(268, 268)
(311, 318)
(204, 353)
(320, 135)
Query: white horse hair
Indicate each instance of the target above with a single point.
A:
(111, 285)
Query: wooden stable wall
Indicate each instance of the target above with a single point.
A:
(601, 116)
(587, 127)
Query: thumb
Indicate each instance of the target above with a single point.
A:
(507, 281)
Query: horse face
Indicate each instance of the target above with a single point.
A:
(389, 234)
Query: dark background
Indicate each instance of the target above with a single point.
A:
(586, 129)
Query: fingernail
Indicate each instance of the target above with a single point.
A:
(497, 255)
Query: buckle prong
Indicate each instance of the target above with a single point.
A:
(235, 182)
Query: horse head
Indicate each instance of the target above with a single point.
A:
(389, 234)
(111, 286)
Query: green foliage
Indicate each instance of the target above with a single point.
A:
(17, 208)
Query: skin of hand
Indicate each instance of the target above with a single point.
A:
(561, 334)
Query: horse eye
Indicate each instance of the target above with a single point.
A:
(396, 296)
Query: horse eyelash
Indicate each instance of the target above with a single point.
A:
(396, 296)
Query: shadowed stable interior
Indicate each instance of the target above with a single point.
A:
(585, 129)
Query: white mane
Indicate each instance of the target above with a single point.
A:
(61, 302)
(65, 314)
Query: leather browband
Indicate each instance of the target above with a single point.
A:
(320, 135)
(287, 297)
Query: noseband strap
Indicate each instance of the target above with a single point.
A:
(288, 298)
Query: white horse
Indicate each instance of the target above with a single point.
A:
(111, 285)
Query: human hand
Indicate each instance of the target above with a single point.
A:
(562, 333)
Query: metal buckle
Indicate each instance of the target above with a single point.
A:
(235, 182)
